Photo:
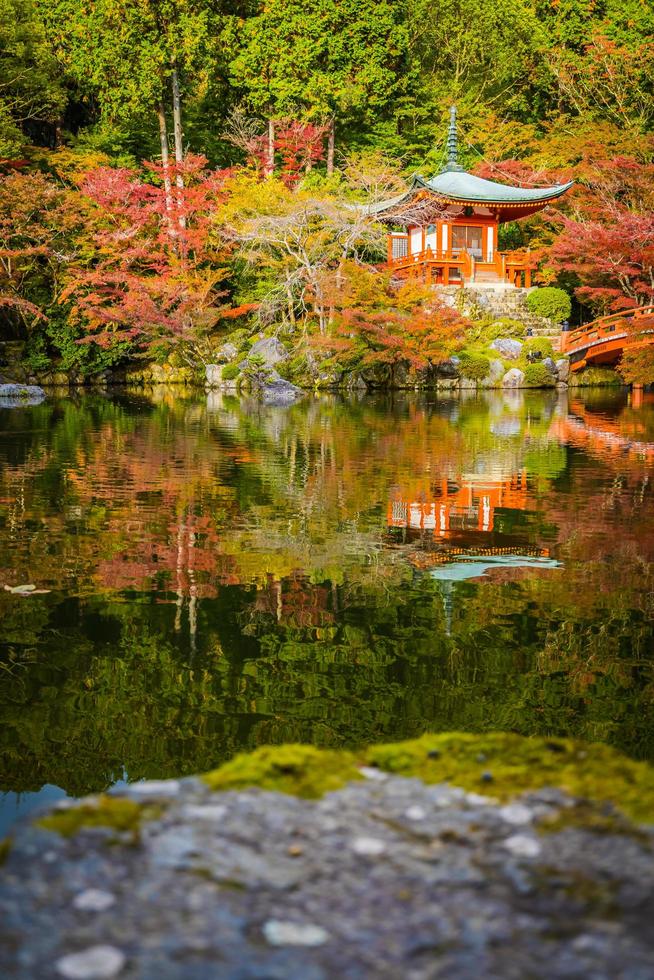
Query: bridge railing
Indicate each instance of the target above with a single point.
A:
(612, 327)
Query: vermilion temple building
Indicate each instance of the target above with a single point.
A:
(446, 229)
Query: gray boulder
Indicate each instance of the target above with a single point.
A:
(551, 366)
(213, 374)
(15, 395)
(271, 350)
(514, 378)
(507, 347)
(448, 368)
(225, 354)
(277, 391)
(563, 369)
(496, 372)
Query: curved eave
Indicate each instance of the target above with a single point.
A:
(533, 203)
(513, 205)
(464, 188)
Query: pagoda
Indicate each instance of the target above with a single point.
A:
(445, 229)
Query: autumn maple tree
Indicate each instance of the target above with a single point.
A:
(380, 329)
(607, 239)
(154, 270)
(34, 223)
(637, 363)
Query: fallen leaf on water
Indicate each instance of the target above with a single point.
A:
(25, 590)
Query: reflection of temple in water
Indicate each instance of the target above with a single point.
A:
(467, 505)
(454, 529)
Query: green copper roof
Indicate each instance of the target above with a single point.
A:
(463, 186)
(458, 185)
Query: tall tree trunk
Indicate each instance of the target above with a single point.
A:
(331, 138)
(179, 145)
(270, 162)
(58, 140)
(165, 159)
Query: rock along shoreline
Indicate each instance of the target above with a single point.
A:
(367, 871)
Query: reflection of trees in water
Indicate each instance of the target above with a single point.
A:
(223, 576)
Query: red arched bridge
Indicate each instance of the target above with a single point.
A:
(604, 341)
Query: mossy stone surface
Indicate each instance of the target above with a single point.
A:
(107, 811)
(495, 764)
(301, 770)
(503, 765)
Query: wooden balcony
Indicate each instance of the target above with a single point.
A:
(458, 266)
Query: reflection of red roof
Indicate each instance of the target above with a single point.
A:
(472, 504)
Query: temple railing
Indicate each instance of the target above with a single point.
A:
(514, 267)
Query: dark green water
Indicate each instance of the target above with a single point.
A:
(220, 576)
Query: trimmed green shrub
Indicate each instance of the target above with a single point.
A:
(474, 366)
(537, 376)
(257, 372)
(505, 327)
(297, 369)
(541, 344)
(550, 302)
(229, 372)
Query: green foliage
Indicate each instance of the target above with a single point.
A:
(537, 376)
(591, 376)
(550, 302)
(297, 369)
(317, 59)
(57, 347)
(538, 345)
(256, 372)
(31, 87)
(474, 366)
(505, 327)
(230, 371)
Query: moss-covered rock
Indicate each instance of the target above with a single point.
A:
(591, 376)
(507, 764)
(301, 770)
(118, 813)
(502, 765)
(538, 376)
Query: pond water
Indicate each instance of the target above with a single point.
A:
(211, 575)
